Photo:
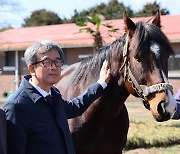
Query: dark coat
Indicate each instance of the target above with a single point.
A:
(177, 113)
(2, 132)
(32, 127)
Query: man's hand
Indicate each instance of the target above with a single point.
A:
(105, 72)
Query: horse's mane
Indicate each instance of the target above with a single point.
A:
(144, 34)
(91, 66)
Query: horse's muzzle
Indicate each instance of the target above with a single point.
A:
(163, 114)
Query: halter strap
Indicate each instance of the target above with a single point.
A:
(156, 88)
(142, 90)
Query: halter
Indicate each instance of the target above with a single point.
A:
(142, 90)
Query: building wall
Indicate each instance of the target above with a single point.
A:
(174, 61)
(2, 59)
(7, 79)
(7, 84)
(73, 53)
(176, 47)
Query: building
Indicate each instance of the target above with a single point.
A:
(13, 43)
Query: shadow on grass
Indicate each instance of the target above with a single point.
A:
(142, 144)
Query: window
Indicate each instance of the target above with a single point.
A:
(174, 66)
(174, 63)
(10, 58)
(85, 56)
(64, 56)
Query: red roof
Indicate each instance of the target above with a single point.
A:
(66, 34)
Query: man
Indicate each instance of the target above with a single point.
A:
(2, 130)
(35, 126)
(177, 112)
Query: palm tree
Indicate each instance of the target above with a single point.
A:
(92, 26)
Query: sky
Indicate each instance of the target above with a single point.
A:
(65, 8)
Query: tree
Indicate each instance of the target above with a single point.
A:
(93, 25)
(42, 17)
(150, 9)
(5, 28)
(81, 16)
(112, 10)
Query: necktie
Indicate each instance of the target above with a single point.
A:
(50, 103)
(49, 100)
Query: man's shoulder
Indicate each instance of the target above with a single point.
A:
(19, 94)
(16, 98)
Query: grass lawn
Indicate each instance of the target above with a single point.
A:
(146, 136)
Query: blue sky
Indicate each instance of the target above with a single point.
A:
(65, 8)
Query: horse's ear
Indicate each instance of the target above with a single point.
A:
(129, 25)
(157, 19)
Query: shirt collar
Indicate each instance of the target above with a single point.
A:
(40, 90)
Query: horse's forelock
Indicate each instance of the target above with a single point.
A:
(145, 33)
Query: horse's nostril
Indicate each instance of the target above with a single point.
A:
(161, 108)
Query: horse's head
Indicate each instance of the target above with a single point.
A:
(146, 53)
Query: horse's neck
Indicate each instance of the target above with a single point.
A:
(117, 92)
(109, 105)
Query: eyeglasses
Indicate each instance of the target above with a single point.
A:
(49, 63)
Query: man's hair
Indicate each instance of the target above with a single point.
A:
(31, 53)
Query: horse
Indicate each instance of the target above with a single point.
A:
(138, 62)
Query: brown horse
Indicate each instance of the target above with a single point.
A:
(139, 66)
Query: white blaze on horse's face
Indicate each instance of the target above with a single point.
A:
(155, 48)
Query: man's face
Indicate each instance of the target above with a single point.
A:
(44, 76)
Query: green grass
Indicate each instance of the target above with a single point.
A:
(145, 132)
(148, 136)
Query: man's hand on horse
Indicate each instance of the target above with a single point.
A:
(105, 72)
